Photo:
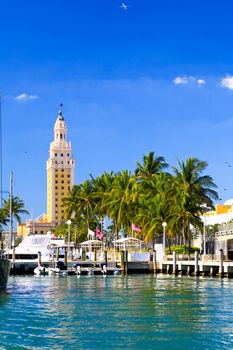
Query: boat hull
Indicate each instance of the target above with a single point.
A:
(5, 265)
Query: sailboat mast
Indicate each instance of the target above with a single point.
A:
(1, 147)
(12, 239)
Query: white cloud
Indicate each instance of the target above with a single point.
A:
(201, 82)
(227, 82)
(189, 80)
(25, 97)
(180, 80)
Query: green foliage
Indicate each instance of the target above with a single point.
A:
(181, 249)
(146, 198)
(17, 210)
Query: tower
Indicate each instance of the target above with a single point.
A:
(60, 172)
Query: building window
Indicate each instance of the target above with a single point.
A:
(56, 217)
(56, 211)
(61, 136)
(68, 175)
(62, 193)
(62, 175)
(41, 232)
(62, 181)
(62, 187)
(55, 154)
(56, 200)
(61, 162)
(56, 187)
(61, 154)
(62, 170)
(68, 182)
(56, 205)
(56, 182)
(68, 154)
(68, 162)
(62, 211)
(56, 175)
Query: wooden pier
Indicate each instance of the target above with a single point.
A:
(194, 266)
(172, 264)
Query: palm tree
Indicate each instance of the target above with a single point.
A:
(192, 190)
(17, 208)
(122, 199)
(80, 203)
(151, 165)
(156, 205)
(3, 217)
(102, 185)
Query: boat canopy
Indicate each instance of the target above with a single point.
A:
(32, 244)
(128, 243)
(92, 244)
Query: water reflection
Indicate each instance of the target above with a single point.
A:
(130, 312)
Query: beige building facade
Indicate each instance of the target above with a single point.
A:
(60, 172)
(60, 180)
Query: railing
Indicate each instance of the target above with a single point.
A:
(224, 233)
(181, 257)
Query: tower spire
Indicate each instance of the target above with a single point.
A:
(60, 116)
(60, 110)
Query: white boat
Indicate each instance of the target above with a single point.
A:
(37, 251)
(56, 271)
(41, 271)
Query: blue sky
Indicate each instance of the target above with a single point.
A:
(157, 77)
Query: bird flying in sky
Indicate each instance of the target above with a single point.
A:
(124, 6)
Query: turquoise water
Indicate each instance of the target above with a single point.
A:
(116, 312)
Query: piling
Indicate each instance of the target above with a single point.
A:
(211, 271)
(126, 262)
(57, 253)
(95, 256)
(83, 255)
(174, 269)
(39, 259)
(106, 257)
(154, 261)
(123, 261)
(65, 258)
(221, 267)
(13, 259)
(196, 266)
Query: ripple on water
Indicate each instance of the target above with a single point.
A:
(131, 312)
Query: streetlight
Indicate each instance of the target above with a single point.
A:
(68, 223)
(164, 224)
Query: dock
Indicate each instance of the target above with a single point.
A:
(192, 265)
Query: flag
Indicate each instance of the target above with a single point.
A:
(136, 228)
(91, 234)
(99, 234)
